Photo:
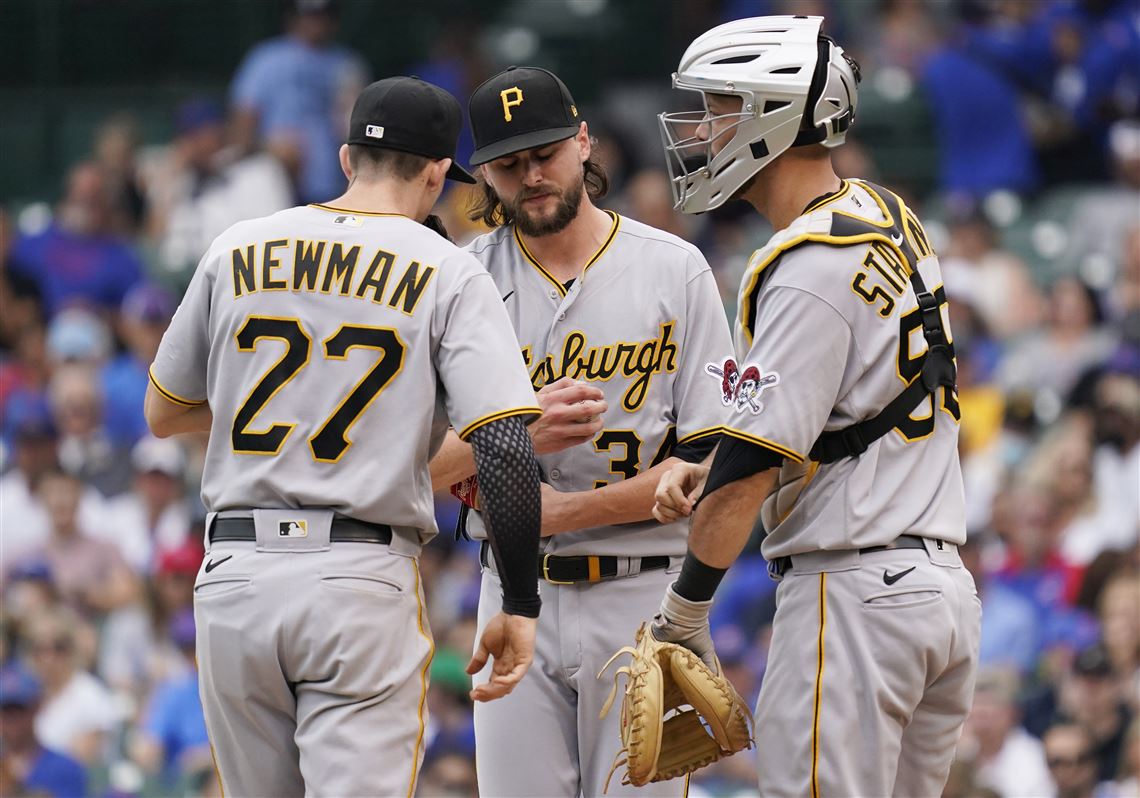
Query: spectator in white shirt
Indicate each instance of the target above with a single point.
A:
(77, 713)
(1007, 758)
(199, 187)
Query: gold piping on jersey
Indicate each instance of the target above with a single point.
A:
(170, 395)
(423, 679)
(818, 687)
(487, 419)
(701, 433)
(783, 451)
(214, 756)
(334, 209)
(746, 310)
(827, 199)
(593, 258)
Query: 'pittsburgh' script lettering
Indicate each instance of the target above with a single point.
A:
(639, 360)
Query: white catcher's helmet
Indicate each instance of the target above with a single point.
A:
(797, 88)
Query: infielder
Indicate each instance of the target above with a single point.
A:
(848, 434)
(325, 348)
(622, 307)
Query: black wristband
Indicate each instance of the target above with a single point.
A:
(528, 608)
(697, 582)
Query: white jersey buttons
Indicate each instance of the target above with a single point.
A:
(555, 473)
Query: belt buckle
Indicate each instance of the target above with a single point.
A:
(546, 572)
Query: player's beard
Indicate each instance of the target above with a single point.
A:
(569, 200)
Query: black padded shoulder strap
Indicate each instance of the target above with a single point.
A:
(936, 364)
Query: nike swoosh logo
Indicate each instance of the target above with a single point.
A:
(508, 296)
(212, 564)
(897, 239)
(889, 579)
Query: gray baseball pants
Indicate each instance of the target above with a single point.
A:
(870, 675)
(313, 669)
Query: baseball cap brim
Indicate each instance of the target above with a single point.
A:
(523, 141)
(458, 173)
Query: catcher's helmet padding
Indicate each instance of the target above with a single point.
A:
(796, 87)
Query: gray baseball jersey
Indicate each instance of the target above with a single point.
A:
(332, 348)
(643, 323)
(827, 339)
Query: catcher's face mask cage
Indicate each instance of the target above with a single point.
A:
(796, 87)
(689, 138)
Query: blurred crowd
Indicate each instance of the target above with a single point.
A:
(1036, 217)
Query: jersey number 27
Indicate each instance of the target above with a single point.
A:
(330, 442)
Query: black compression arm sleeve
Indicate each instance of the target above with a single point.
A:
(512, 508)
(736, 459)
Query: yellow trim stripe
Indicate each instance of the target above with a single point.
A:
(818, 687)
(783, 451)
(514, 411)
(821, 238)
(701, 433)
(843, 190)
(334, 209)
(423, 679)
(214, 760)
(173, 397)
(593, 258)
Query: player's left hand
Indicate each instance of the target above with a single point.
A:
(686, 623)
(509, 640)
(678, 491)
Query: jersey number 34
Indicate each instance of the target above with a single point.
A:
(330, 442)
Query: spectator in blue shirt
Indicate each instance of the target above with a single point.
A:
(35, 769)
(76, 260)
(144, 315)
(173, 736)
(293, 94)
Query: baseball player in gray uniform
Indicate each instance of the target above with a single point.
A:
(602, 302)
(842, 431)
(325, 349)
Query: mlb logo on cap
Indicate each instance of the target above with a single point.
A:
(293, 529)
(374, 131)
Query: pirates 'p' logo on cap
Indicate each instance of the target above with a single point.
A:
(293, 529)
(511, 97)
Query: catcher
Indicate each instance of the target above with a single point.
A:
(852, 461)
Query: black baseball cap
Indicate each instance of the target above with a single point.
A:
(520, 108)
(410, 115)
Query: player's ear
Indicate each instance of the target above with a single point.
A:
(345, 166)
(582, 138)
(437, 172)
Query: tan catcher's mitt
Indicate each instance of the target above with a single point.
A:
(663, 678)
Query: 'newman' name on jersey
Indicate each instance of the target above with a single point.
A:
(324, 267)
(640, 360)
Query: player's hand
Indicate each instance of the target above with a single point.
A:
(686, 623)
(678, 491)
(571, 414)
(509, 641)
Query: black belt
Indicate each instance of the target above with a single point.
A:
(571, 570)
(344, 530)
(781, 565)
